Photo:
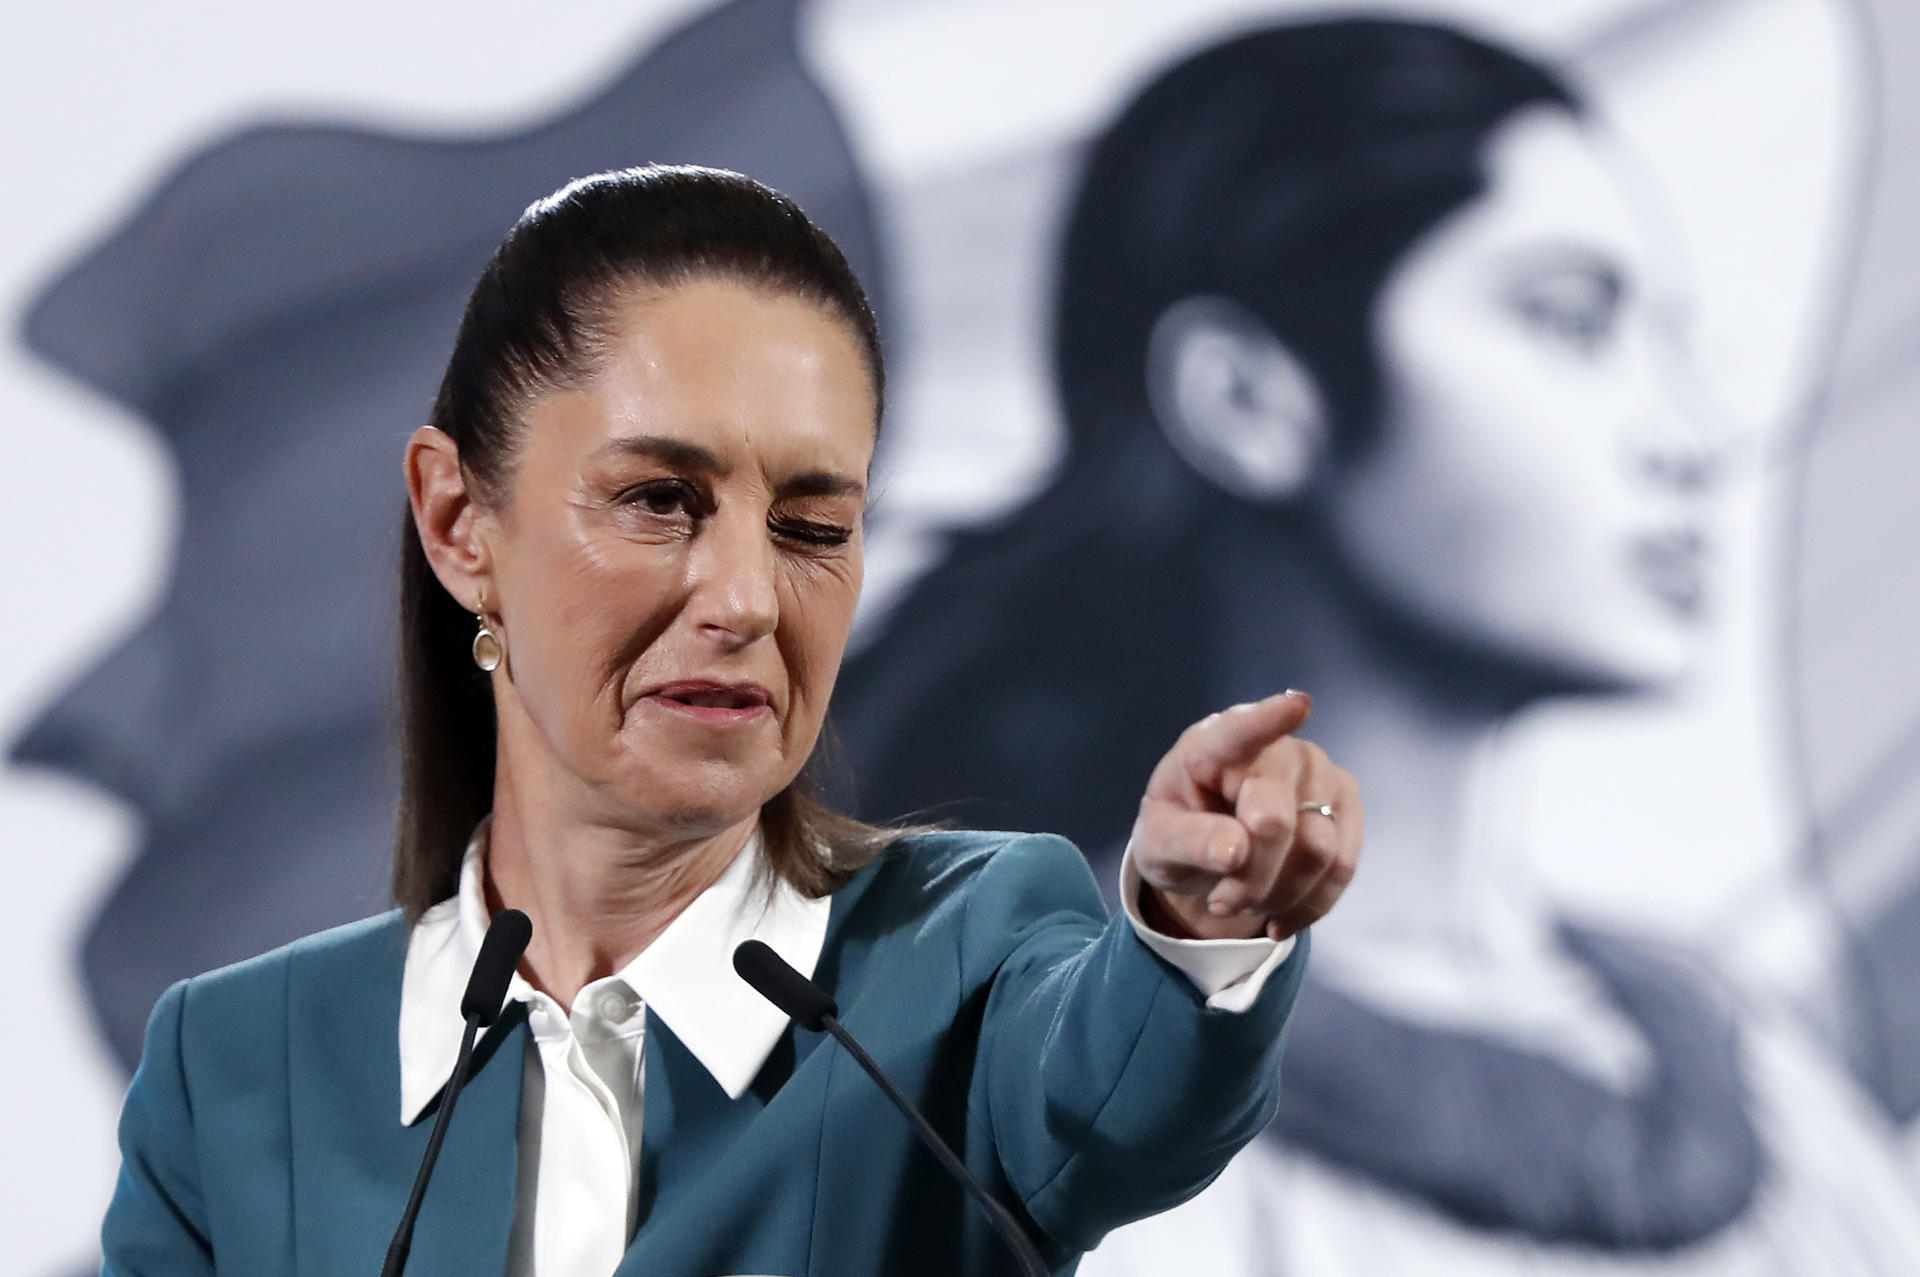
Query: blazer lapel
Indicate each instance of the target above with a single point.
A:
(354, 1162)
(467, 1217)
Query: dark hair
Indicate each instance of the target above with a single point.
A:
(1290, 169)
(537, 322)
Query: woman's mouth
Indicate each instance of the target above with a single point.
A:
(1671, 565)
(717, 703)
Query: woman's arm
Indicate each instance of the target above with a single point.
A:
(1110, 1089)
(1114, 1090)
(156, 1225)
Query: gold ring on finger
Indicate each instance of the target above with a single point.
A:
(1319, 809)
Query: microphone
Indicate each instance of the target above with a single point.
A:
(812, 1007)
(500, 951)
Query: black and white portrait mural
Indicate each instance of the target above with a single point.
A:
(1552, 361)
(1381, 320)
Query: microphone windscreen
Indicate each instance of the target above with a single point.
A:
(500, 952)
(806, 1002)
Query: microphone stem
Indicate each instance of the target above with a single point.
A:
(403, 1238)
(1003, 1221)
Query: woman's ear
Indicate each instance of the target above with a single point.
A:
(448, 519)
(1234, 401)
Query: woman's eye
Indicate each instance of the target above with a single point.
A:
(662, 497)
(1575, 309)
(1584, 328)
(810, 533)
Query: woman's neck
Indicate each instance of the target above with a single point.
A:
(1417, 736)
(597, 894)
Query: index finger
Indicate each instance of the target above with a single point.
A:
(1231, 739)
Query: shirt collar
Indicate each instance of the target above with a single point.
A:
(685, 976)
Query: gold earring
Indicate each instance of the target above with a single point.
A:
(486, 646)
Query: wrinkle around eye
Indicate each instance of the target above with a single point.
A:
(822, 570)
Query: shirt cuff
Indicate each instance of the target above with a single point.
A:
(1228, 973)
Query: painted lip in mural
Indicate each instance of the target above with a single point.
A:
(1672, 566)
(710, 701)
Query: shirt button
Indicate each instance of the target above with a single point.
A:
(613, 1006)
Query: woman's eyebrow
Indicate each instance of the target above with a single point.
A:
(682, 455)
(823, 483)
(677, 453)
(1567, 256)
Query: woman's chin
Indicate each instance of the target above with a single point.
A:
(1647, 664)
(703, 797)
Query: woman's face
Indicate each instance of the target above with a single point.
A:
(677, 563)
(1535, 489)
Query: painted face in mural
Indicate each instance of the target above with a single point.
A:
(1535, 488)
(676, 567)
(1532, 493)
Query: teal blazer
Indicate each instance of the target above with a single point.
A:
(1083, 1079)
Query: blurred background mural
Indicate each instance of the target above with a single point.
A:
(1527, 381)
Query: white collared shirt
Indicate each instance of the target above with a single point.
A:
(585, 1083)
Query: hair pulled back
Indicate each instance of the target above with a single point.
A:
(1290, 169)
(538, 321)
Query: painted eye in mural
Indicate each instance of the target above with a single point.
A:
(1576, 307)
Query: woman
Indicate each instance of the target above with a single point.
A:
(276, 308)
(1365, 343)
(645, 476)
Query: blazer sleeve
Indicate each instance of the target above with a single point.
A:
(156, 1225)
(1112, 1090)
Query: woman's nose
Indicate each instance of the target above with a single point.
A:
(1687, 439)
(1680, 461)
(734, 596)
